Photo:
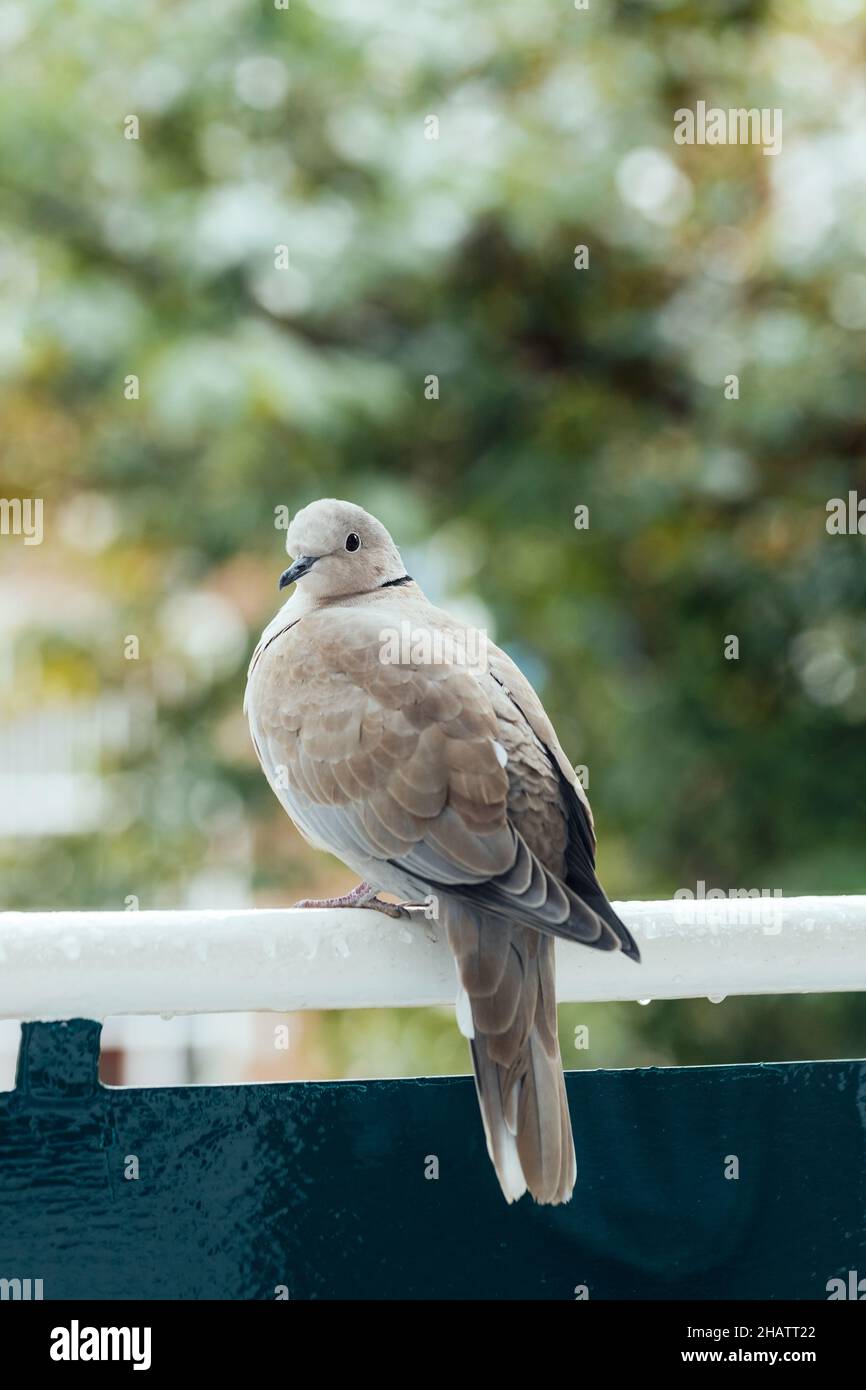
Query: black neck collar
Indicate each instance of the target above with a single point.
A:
(391, 583)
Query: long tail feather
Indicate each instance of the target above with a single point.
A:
(515, 1054)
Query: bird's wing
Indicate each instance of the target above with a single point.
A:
(402, 761)
(578, 868)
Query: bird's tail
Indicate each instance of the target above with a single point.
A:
(508, 1009)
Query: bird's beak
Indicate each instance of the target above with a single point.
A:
(302, 565)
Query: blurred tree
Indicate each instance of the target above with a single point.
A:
(232, 303)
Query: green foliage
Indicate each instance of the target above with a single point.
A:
(262, 387)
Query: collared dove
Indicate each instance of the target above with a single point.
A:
(432, 774)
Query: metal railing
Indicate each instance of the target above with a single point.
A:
(696, 1182)
(59, 965)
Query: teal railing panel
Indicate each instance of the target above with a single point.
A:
(318, 1190)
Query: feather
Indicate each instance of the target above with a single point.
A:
(438, 776)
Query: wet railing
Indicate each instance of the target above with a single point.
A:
(705, 1182)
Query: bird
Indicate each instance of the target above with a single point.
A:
(430, 768)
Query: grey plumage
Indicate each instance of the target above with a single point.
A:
(442, 777)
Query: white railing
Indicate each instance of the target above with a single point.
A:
(58, 965)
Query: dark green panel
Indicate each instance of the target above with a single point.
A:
(321, 1187)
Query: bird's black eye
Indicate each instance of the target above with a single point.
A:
(353, 542)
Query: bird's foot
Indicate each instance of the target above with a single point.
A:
(389, 909)
(363, 895)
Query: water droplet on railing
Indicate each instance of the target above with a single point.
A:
(644, 1001)
(716, 998)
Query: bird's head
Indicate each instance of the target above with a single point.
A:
(339, 550)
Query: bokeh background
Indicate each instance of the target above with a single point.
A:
(261, 387)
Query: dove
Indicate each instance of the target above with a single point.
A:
(402, 741)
